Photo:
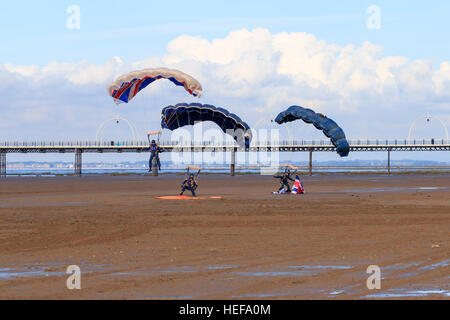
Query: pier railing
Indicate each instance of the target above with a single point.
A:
(173, 143)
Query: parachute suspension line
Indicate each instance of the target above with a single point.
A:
(178, 119)
(195, 175)
(168, 118)
(154, 102)
(189, 117)
(153, 133)
(221, 126)
(223, 122)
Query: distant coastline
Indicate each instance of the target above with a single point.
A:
(141, 165)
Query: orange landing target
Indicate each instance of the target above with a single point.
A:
(185, 198)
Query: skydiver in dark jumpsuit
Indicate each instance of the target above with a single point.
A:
(155, 150)
(189, 184)
(284, 181)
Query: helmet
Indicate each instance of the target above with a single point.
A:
(153, 141)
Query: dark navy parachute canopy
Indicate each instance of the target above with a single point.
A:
(183, 114)
(321, 122)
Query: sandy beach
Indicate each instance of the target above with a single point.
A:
(250, 244)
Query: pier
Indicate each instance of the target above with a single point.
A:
(310, 146)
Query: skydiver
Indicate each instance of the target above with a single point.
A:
(189, 184)
(284, 181)
(155, 150)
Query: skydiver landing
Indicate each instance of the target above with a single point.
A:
(189, 184)
(284, 182)
(155, 150)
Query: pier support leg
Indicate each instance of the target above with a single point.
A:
(233, 161)
(2, 164)
(310, 162)
(78, 162)
(154, 167)
(389, 162)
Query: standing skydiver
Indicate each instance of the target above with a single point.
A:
(155, 150)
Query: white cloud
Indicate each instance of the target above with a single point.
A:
(253, 73)
(34, 115)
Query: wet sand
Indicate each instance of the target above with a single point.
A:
(248, 244)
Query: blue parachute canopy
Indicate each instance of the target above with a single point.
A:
(183, 114)
(321, 122)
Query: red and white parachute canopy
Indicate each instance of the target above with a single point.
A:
(127, 86)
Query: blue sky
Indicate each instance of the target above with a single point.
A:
(319, 54)
(34, 32)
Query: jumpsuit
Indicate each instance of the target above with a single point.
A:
(284, 182)
(155, 150)
(189, 184)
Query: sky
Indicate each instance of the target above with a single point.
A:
(373, 66)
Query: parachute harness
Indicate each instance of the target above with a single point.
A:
(194, 182)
